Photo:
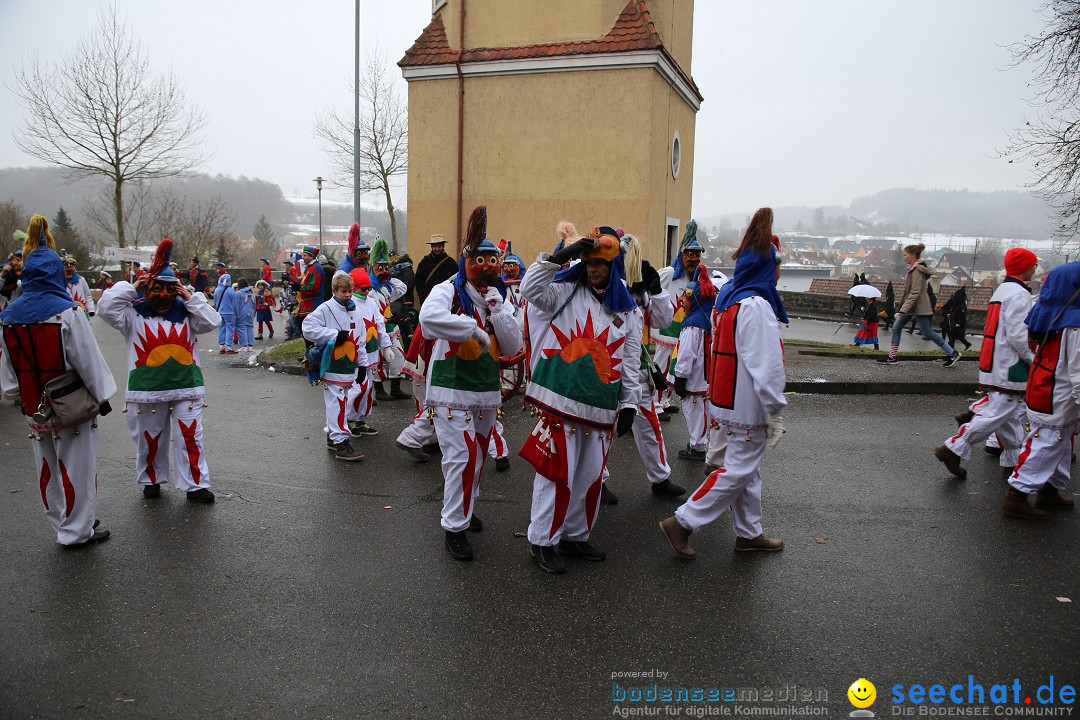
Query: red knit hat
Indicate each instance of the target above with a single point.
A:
(1018, 261)
(360, 278)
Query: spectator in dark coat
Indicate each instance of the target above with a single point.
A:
(434, 268)
(954, 319)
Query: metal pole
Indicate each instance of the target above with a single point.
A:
(318, 186)
(356, 124)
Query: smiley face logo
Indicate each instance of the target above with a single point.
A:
(862, 693)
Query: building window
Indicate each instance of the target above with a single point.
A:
(436, 4)
(676, 155)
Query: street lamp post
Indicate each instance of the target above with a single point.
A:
(318, 186)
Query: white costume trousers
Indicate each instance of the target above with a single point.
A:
(67, 478)
(718, 436)
(695, 409)
(421, 431)
(736, 484)
(497, 448)
(662, 358)
(463, 439)
(649, 439)
(1046, 457)
(170, 425)
(996, 413)
(571, 510)
(360, 398)
(336, 398)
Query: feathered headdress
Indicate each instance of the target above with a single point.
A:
(159, 268)
(37, 235)
(476, 231)
(354, 237)
(475, 241)
(380, 251)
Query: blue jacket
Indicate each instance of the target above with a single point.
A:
(243, 303)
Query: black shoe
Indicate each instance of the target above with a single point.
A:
(607, 497)
(458, 546)
(433, 448)
(887, 361)
(688, 453)
(964, 417)
(151, 491)
(330, 443)
(396, 393)
(476, 524)
(953, 359)
(202, 495)
(667, 489)
(581, 549)
(96, 537)
(271, 334)
(995, 451)
(361, 429)
(502, 463)
(672, 409)
(547, 557)
(381, 394)
(663, 416)
(258, 337)
(417, 454)
(709, 469)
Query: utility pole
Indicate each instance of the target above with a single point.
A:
(356, 123)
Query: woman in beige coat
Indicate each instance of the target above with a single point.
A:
(914, 303)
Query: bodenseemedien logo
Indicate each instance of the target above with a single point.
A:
(862, 695)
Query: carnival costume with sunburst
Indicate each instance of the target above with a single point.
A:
(376, 349)
(691, 369)
(387, 290)
(582, 340)
(77, 287)
(166, 393)
(472, 327)
(676, 277)
(45, 335)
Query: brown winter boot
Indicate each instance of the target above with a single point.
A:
(951, 461)
(1048, 498)
(759, 543)
(677, 536)
(1016, 505)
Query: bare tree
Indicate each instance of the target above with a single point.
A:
(1052, 139)
(12, 218)
(102, 113)
(384, 137)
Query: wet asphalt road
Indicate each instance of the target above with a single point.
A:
(318, 589)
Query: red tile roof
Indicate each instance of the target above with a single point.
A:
(978, 297)
(633, 30)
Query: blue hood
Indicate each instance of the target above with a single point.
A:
(1053, 309)
(755, 274)
(44, 289)
(616, 296)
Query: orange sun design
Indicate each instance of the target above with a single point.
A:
(154, 348)
(371, 328)
(585, 341)
(346, 349)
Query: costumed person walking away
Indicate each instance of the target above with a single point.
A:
(46, 336)
(225, 305)
(472, 327)
(747, 387)
(376, 345)
(692, 360)
(244, 310)
(264, 306)
(386, 290)
(310, 294)
(666, 339)
(867, 334)
(1004, 361)
(583, 348)
(915, 305)
(954, 318)
(77, 286)
(336, 331)
(160, 320)
(1053, 386)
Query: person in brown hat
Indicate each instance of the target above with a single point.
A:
(434, 268)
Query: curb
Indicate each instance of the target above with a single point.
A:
(287, 368)
(867, 356)
(966, 389)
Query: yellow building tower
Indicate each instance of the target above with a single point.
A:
(546, 110)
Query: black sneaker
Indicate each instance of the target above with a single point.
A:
(502, 463)
(417, 454)
(581, 549)
(672, 409)
(202, 495)
(709, 469)
(95, 537)
(458, 546)
(547, 557)
(887, 361)
(953, 359)
(663, 416)
(688, 453)
(607, 497)
(432, 448)
(476, 524)
(151, 491)
(361, 429)
(667, 489)
(330, 445)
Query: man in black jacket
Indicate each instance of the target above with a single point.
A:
(434, 267)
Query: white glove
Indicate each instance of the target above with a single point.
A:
(388, 354)
(493, 299)
(481, 336)
(775, 430)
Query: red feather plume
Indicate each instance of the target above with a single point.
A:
(705, 283)
(161, 257)
(354, 238)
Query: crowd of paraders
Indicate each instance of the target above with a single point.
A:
(605, 344)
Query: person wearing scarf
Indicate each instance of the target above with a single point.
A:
(44, 336)
(677, 278)
(386, 290)
(1053, 385)
(472, 326)
(691, 363)
(746, 386)
(584, 348)
(1004, 360)
(77, 286)
(160, 321)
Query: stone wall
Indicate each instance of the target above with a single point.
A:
(832, 308)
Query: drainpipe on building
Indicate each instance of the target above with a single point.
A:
(461, 121)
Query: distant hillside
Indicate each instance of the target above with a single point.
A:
(1009, 214)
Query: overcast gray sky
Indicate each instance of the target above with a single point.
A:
(807, 102)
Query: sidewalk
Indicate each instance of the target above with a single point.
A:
(807, 373)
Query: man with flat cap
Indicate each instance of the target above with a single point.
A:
(434, 268)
